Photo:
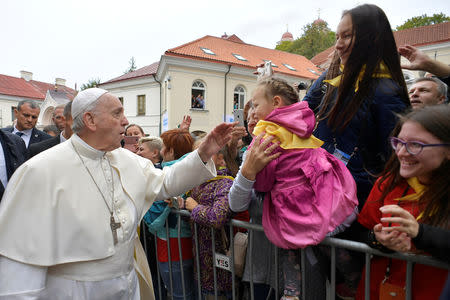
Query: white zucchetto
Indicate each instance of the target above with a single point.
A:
(84, 98)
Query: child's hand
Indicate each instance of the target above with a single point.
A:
(258, 156)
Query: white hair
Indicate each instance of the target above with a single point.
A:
(78, 123)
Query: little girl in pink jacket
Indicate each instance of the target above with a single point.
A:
(309, 192)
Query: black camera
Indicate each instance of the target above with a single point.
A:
(302, 86)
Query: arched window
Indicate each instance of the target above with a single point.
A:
(198, 93)
(239, 97)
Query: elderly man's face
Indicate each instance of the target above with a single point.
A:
(424, 93)
(26, 117)
(110, 122)
(58, 118)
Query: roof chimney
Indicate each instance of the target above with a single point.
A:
(26, 75)
(224, 35)
(60, 81)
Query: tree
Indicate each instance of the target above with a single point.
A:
(132, 67)
(424, 20)
(316, 37)
(93, 82)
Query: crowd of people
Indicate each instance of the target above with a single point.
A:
(361, 157)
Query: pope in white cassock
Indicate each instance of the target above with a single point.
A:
(69, 215)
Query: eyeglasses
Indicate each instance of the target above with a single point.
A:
(413, 148)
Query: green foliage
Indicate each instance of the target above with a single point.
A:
(132, 66)
(316, 37)
(93, 82)
(424, 20)
(285, 46)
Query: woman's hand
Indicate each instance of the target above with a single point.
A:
(237, 133)
(418, 60)
(176, 202)
(258, 156)
(190, 204)
(407, 222)
(395, 240)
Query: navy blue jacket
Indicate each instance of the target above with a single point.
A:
(377, 123)
(15, 154)
(36, 135)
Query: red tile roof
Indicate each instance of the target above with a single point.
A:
(425, 35)
(142, 72)
(419, 36)
(19, 87)
(323, 56)
(234, 38)
(44, 87)
(225, 48)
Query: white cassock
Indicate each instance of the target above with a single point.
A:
(55, 236)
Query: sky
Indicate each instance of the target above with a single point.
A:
(80, 40)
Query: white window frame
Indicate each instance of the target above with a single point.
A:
(239, 90)
(198, 85)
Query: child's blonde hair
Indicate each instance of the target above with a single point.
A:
(279, 87)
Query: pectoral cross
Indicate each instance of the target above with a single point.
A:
(114, 227)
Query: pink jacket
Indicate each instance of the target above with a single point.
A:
(309, 191)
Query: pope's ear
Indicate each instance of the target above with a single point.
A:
(89, 121)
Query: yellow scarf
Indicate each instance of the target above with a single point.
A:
(418, 188)
(381, 72)
(218, 177)
(287, 139)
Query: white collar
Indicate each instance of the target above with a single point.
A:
(85, 149)
(25, 132)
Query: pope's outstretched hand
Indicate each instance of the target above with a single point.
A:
(215, 140)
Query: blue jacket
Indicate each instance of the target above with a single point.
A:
(378, 123)
(159, 212)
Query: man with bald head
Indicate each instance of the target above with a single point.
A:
(73, 234)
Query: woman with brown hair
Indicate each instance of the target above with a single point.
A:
(416, 179)
(356, 98)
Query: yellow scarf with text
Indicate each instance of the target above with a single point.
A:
(381, 72)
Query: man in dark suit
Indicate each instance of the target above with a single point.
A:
(27, 113)
(63, 136)
(12, 154)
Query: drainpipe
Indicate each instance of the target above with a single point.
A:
(160, 102)
(225, 96)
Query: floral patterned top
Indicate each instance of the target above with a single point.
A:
(213, 210)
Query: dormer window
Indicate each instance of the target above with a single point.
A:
(207, 51)
(289, 67)
(239, 57)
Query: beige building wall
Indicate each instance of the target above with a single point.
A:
(6, 114)
(177, 91)
(129, 91)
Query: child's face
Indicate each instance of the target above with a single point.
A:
(261, 105)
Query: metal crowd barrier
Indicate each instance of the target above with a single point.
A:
(333, 243)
